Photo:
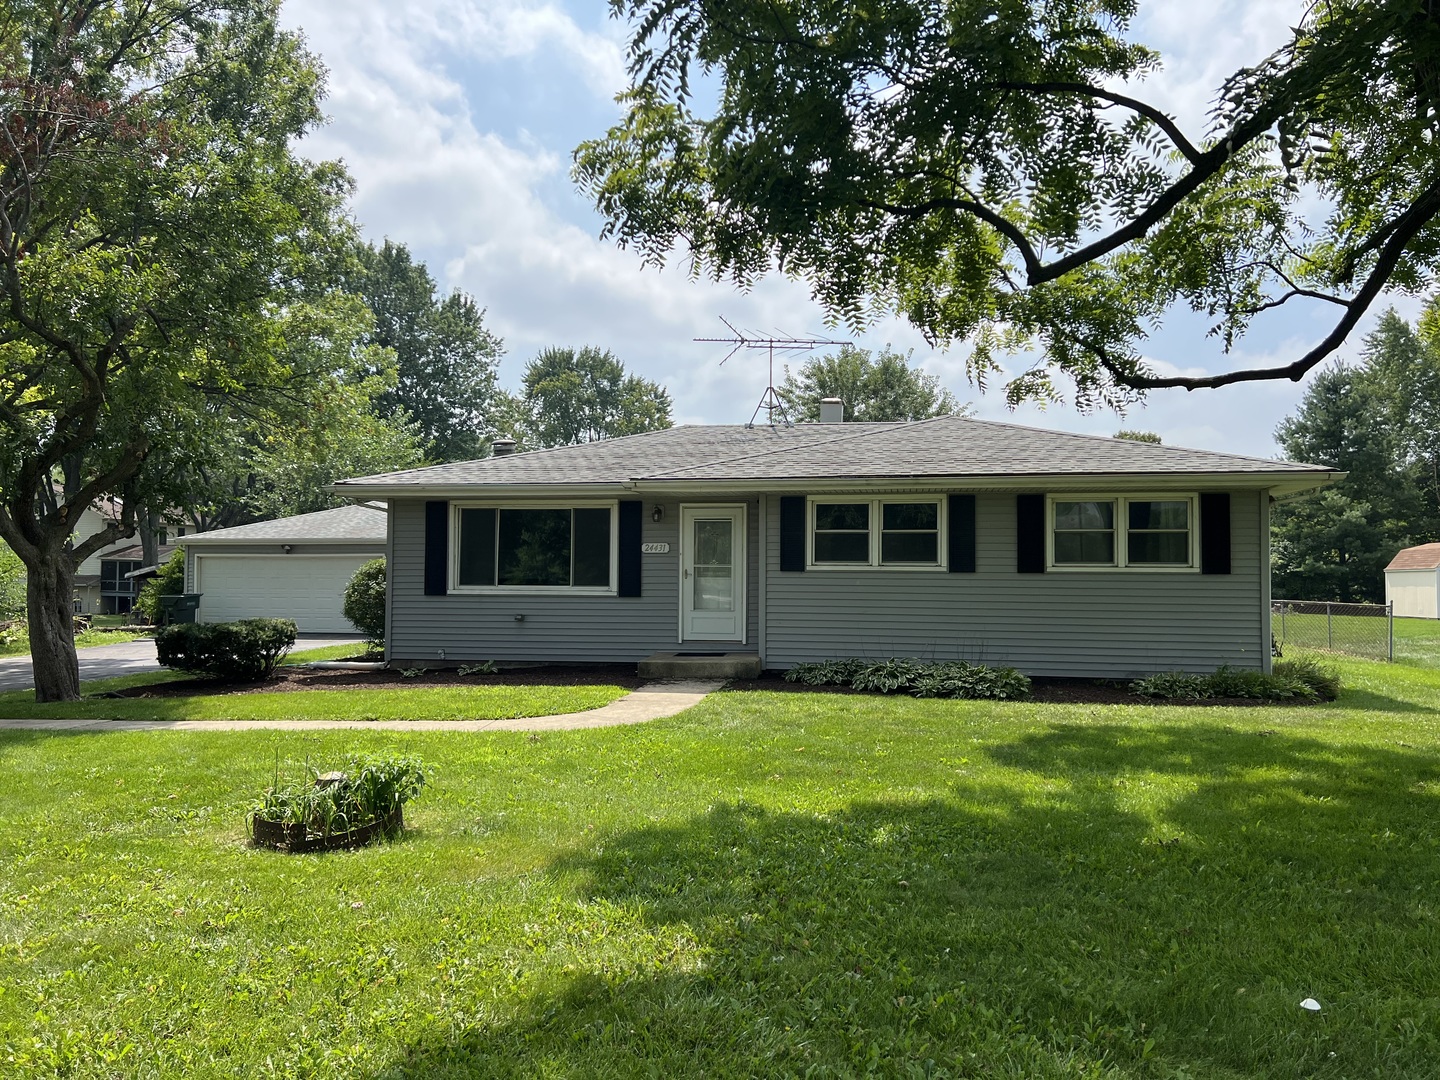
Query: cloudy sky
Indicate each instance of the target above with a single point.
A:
(457, 119)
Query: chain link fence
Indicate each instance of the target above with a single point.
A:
(1354, 629)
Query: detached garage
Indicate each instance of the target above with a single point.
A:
(292, 568)
(1412, 582)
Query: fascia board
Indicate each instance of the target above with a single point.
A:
(1285, 482)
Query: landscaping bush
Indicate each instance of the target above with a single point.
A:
(365, 601)
(1323, 681)
(244, 651)
(943, 679)
(826, 672)
(1171, 686)
(366, 791)
(1291, 679)
(888, 676)
(957, 679)
(169, 580)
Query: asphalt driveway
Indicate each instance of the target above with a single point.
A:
(108, 661)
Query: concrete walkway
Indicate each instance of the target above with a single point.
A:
(127, 658)
(650, 702)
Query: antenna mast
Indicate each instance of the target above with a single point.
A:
(770, 402)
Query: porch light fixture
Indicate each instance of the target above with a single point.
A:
(658, 514)
(286, 548)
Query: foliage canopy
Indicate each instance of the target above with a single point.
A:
(994, 173)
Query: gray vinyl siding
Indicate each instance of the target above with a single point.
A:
(557, 627)
(1113, 624)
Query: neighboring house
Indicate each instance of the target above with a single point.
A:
(950, 538)
(101, 587)
(1412, 582)
(293, 568)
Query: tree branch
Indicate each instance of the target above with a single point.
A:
(1161, 120)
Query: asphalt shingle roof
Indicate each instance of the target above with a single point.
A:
(1421, 557)
(355, 522)
(946, 447)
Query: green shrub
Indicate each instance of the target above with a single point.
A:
(888, 676)
(1292, 679)
(365, 601)
(168, 581)
(1172, 686)
(957, 679)
(13, 584)
(244, 651)
(366, 790)
(826, 673)
(1323, 681)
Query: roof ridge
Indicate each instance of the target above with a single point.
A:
(1113, 439)
(852, 434)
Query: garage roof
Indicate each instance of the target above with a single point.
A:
(1421, 557)
(360, 523)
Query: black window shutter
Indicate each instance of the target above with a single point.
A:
(962, 534)
(1215, 532)
(631, 528)
(1030, 534)
(437, 547)
(792, 533)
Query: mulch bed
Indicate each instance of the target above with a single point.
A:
(290, 680)
(1043, 691)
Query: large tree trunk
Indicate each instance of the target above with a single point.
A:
(149, 538)
(52, 628)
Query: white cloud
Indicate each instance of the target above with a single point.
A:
(443, 135)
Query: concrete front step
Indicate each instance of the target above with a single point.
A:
(699, 664)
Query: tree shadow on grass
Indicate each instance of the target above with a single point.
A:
(1106, 900)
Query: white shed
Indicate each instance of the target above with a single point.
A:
(294, 568)
(1412, 582)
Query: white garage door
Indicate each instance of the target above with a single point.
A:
(306, 588)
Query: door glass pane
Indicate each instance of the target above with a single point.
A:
(714, 566)
(911, 515)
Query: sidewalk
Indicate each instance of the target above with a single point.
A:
(650, 702)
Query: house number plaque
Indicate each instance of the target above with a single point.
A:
(655, 549)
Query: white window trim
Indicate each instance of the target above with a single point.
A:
(876, 520)
(1122, 533)
(613, 505)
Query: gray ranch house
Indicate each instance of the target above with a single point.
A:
(953, 538)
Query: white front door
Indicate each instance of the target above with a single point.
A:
(712, 573)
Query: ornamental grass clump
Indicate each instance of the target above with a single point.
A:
(365, 792)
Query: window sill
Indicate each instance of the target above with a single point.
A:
(1095, 569)
(904, 568)
(528, 590)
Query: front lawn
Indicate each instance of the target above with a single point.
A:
(419, 703)
(766, 885)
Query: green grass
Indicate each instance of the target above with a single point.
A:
(85, 640)
(399, 703)
(330, 652)
(766, 885)
(1417, 641)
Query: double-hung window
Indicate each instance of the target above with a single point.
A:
(896, 531)
(534, 547)
(1088, 532)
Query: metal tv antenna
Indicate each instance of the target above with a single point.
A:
(770, 402)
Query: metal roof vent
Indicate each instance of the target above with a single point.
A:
(832, 411)
(503, 446)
